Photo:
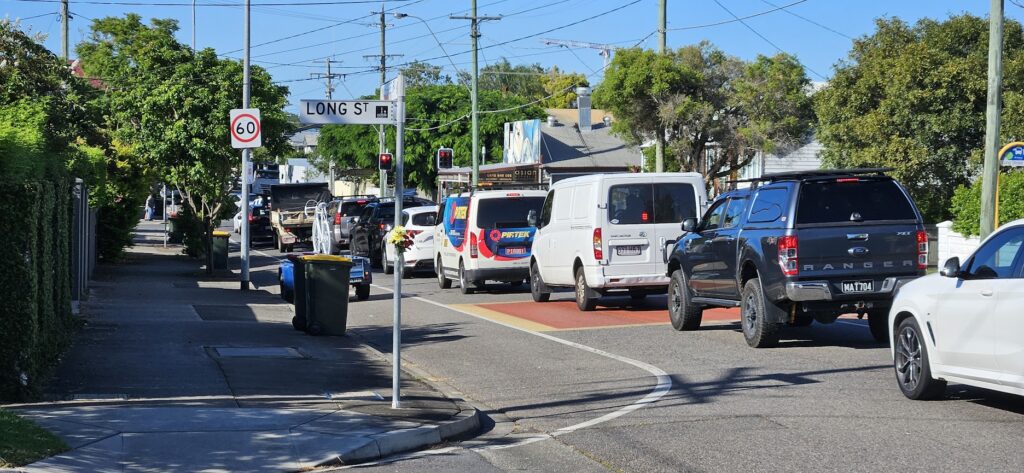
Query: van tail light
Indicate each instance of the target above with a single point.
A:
(598, 245)
(788, 255)
(337, 218)
(922, 250)
(472, 245)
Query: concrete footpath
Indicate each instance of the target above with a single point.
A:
(178, 371)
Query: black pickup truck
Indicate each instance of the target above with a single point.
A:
(799, 247)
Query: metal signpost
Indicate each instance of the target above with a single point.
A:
(389, 110)
(246, 133)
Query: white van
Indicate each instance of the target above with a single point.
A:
(607, 232)
(485, 235)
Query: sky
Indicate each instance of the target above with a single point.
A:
(287, 36)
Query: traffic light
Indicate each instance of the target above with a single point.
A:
(385, 162)
(444, 158)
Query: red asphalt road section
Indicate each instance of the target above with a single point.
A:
(560, 315)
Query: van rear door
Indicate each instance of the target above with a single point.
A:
(855, 232)
(630, 237)
(674, 201)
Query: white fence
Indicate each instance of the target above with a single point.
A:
(953, 244)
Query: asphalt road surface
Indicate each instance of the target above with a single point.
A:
(619, 390)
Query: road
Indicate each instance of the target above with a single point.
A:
(619, 390)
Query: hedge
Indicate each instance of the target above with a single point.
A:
(966, 203)
(35, 318)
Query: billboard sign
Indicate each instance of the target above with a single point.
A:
(522, 142)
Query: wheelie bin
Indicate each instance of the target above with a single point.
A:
(219, 248)
(326, 291)
(292, 277)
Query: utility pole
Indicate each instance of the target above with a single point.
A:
(990, 175)
(64, 29)
(475, 35)
(245, 156)
(383, 80)
(329, 76)
(193, 25)
(659, 142)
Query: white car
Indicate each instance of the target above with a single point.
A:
(419, 224)
(965, 324)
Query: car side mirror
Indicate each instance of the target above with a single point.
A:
(531, 218)
(952, 268)
(690, 225)
(355, 220)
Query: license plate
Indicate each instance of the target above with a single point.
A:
(515, 251)
(631, 250)
(851, 287)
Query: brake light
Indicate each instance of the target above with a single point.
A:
(472, 245)
(598, 245)
(251, 218)
(922, 250)
(848, 179)
(644, 217)
(337, 218)
(513, 194)
(360, 202)
(382, 226)
(788, 255)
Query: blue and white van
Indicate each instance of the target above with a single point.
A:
(485, 236)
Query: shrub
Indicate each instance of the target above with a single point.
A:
(966, 203)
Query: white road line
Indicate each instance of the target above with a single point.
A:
(663, 386)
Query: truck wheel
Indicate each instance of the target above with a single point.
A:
(362, 292)
(684, 314)
(537, 285)
(584, 300)
(913, 370)
(878, 322)
(464, 280)
(442, 281)
(757, 329)
(388, 269)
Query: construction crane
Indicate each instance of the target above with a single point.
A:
(605, 49)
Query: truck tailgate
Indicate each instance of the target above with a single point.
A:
(854, 251)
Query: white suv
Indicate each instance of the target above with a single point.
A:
(419, 225)
(607, 232)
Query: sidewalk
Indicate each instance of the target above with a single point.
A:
(178, 371)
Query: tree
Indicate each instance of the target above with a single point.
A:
(561, 87)
(913, 98)
(436, 116)
(521, 79)
(171, 104)
(419, 73)
(716, 111)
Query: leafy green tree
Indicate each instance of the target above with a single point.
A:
(521, 79)
(966, 203)
(716, 111)
(913, 98)
(171, 104)
(436, 116)
(561, 87)
(419, 73)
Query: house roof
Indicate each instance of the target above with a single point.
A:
(564, 146)
(305, 136)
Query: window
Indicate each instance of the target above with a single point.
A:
(506, 212)
(853, 200)
(425, 219)
(349, 209)
(674, 203)
(997, 257)
(768, 206)
(713, 218)
(630, 204)
(734, 211)
(545, 210)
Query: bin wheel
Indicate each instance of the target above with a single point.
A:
(363, 292)
(314, 329)
(298, 323)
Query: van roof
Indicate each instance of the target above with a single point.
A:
(628, 176)
(504, 193)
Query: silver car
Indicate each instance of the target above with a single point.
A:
(344, 212)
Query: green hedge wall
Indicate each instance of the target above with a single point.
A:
(35, 316)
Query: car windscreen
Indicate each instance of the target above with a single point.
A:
(351, 209)
(385, 213)
(846, 200)
(265, 174)
(506, 212)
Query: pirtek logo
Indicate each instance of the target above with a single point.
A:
(515, 234)
(864, 265)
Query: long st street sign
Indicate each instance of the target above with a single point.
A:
(347, 112)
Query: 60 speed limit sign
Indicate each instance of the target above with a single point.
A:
(245, 128)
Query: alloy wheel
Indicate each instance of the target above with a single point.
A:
(908, 358)
(750, 313)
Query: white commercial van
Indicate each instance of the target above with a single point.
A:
(485, 235)
(607, 232)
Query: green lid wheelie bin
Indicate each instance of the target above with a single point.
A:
(219, 248)
(326, 294)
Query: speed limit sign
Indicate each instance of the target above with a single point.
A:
(245, 128)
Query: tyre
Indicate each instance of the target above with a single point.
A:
(464, 285)
(537, 285)
(878, 322)
(913, 370)
(442, 281)
(388, 269)
(684, 314)
(362, 292)
(584, 300)
(757, 329)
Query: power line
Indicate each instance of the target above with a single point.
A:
(735, 18)
(815, 23)
(38, 16)
(189, 4)
(759, 35)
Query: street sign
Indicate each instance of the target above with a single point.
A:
(245, 128)
(347, 112)
(393, 89)
(1012, 154)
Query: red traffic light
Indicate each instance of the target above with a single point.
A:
(385, 162)
(445, 158)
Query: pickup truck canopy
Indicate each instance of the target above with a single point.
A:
(295, 196)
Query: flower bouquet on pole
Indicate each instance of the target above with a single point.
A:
(400, 240)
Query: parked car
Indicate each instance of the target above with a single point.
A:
(419, 226)
(343, 212)
(376, 220)
(608, 233)
(485, 236)
(797, 248)
(964, 324)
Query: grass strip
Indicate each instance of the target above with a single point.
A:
(23, 442)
